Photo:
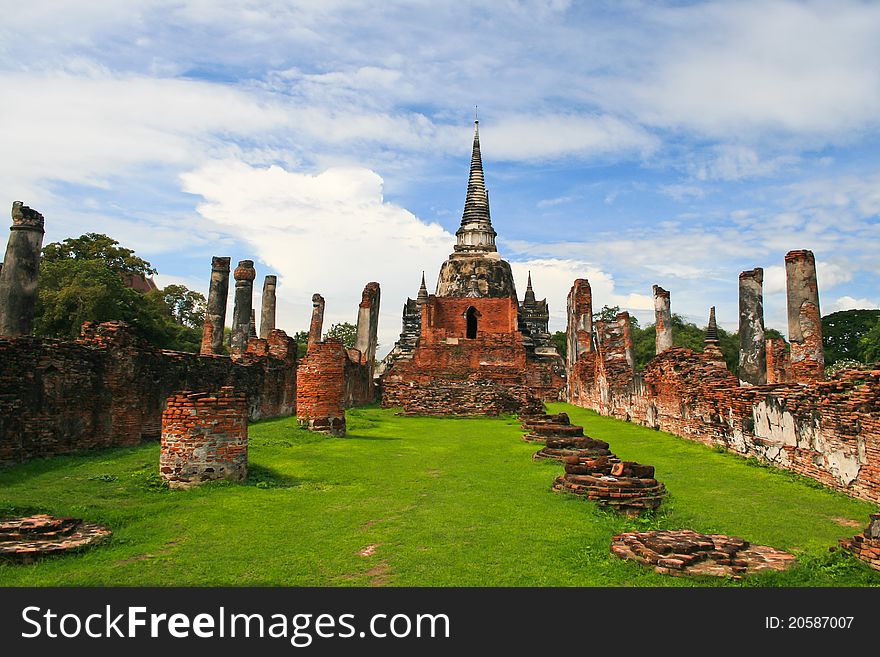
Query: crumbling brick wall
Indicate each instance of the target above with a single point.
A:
(204, 437)
(827, 430)
(109, 388)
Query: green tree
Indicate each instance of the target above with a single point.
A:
(842, 333)
(606, 314)
(72, 292)
(187, 307)
(97, 246)
(344, 331)
(81, 280)
(302, 342)
(560, 340)
(870, 345)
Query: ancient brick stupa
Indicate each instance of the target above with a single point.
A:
(472, 347)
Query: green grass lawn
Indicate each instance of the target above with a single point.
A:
(417, 501)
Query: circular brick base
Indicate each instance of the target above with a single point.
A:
(26, 539)
(685, 552)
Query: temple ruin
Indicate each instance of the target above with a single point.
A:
(472, 348)
(779, 407)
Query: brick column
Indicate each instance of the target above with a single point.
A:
(579, 329)
(320, 388)
(21, 267)
(804, 317)
(204, 437)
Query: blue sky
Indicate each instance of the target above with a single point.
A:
(631, 143)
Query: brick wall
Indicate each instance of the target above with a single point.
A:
(204, 437)
(109, 388)
(827, 430)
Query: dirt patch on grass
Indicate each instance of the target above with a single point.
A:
(380, 574)
(368, 551)
(846, 522)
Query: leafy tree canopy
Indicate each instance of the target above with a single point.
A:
(870, 344)
(344, 331)
(81, 280)
(97, 246)
(842, 334)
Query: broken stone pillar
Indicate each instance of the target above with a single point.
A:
(252, 325)
(368, 325)
(662, 319)
(317, 325)
(215, 316)
(21, 267)
(804, 318)
(579, 329)
(752, 345)
(626, 329)
(241, 313)
(267, 308)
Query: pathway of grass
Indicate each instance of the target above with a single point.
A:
(415, 501)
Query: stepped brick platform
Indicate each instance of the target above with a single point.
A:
(685, 552)
(866, 546)
(623, 485)
(529, 421)
(26, 539)
(583, 447)
(540, 433)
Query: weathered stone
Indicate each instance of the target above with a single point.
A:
(241, 313)
(368, 327)
(316, 326)
(752, 344)
(662, 319)
(267, 308)
(20, 271)
(215, 315)
(804, 318)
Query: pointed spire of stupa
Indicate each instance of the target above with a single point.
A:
(476, 232)
(529, 299)
(712, 330)
(423, 291)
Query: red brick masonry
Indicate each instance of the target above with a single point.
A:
(827, 430)
(204, 437)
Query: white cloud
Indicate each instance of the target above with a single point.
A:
(329, 233)
(739, 69)
(848, 303)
